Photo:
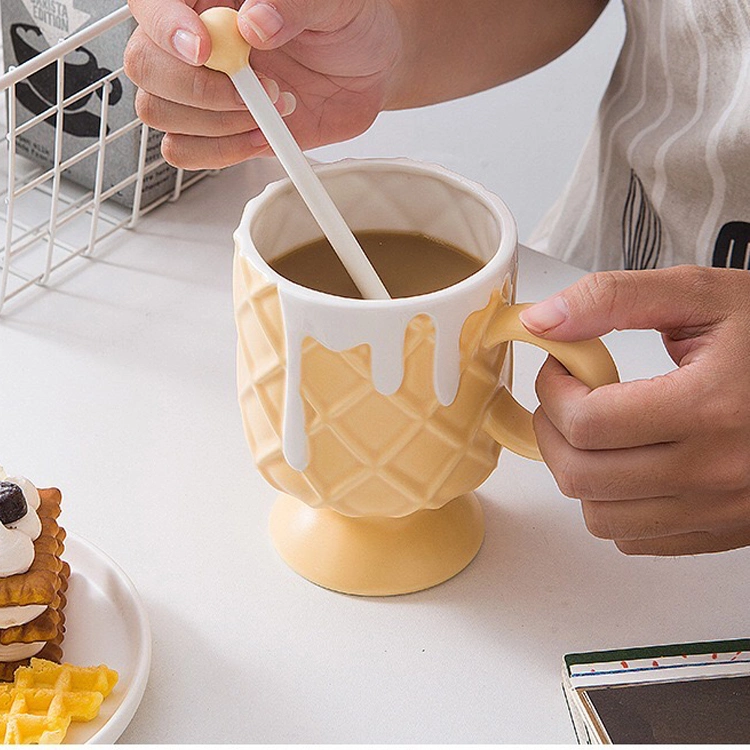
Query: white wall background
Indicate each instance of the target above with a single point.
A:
(520, 140)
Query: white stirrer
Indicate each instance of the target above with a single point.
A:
(230, 54)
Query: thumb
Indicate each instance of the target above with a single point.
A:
(268, 25)
(664, 299)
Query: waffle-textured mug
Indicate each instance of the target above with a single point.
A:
(377, 418)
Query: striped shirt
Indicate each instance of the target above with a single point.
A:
(664, 178)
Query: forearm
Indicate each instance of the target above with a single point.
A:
(457, 47)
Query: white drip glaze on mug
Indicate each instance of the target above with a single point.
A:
(340, 323)
(382, 326)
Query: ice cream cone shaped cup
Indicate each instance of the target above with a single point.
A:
(376, 419)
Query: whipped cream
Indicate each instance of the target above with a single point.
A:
(30, 492)
(12, 616)
(18, 651)
(17, 538)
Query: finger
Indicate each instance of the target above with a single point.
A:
(268, 25)
(696, 543)
(621, 415)
(175, 27)
(198, 152)
(152, 69)
(654, 517)
(171, 117)
(627, 474)
(647, 518)
(602, 302)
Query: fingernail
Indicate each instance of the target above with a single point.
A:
(187, 45)
(544, 316)
(287, 103)
(272, 89)
(263, 19)
(257, 139)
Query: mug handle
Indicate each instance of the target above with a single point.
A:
(509, 423)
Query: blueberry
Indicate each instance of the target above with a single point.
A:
(12, 503)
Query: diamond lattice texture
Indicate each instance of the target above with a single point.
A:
(369, 454)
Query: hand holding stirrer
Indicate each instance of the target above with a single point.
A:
(230, 54)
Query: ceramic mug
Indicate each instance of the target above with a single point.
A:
(377, 418)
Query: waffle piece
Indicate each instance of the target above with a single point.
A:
(45, 697)
(41, 582)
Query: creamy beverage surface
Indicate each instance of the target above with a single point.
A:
(409, 264)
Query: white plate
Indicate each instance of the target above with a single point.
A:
(105, 623)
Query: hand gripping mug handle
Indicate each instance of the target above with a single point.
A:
(589, 361)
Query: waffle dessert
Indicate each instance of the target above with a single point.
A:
(38, 707)
(33, 577)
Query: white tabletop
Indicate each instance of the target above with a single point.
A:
(118, 387)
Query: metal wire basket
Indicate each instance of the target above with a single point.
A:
(48, 219)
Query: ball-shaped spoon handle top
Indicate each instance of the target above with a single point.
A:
(230, 51)
(230, 54)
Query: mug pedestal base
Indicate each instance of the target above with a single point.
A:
(377, 556)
